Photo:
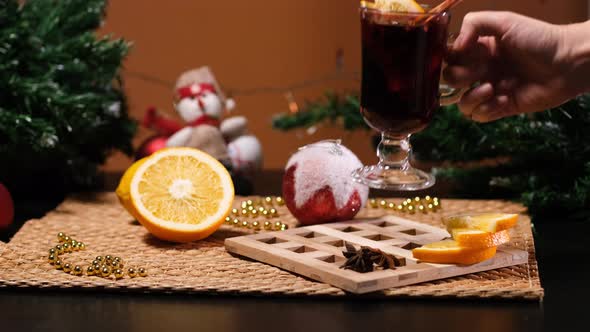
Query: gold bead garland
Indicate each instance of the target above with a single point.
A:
(105, 267)
(411, 206)
(259, 209)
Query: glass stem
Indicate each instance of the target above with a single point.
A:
(394, 152)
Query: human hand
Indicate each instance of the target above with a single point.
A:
(522, 65)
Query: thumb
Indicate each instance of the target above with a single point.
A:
(481, 24)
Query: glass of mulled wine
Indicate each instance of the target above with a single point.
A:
(402, 57)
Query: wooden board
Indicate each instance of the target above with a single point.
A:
(316, 252)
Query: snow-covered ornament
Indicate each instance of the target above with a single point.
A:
(318, 186)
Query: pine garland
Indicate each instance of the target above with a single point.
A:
(62, 108)
(540, 159)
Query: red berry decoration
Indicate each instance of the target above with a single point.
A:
(6, 207)
(151, 145)
(318, 185)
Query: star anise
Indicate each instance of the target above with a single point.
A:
(365, 259)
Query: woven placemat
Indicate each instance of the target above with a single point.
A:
(205, 266)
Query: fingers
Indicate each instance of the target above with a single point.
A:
(475, 97)
(479, 24)
(496, 108)
(464, 76)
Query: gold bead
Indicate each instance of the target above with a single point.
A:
(59, 249)
(96, 262)
(245, 224)
(261, 209)
(108, 258)
(254, 213)
(115, 263)
(284, 227)
(67, 267)
(255, 224)
(244, 205)
(373, 203)
(273, 212)
(250, 208)
(52, 258)
(236, 222)
(405, 203)
(421, 208)
(266, 214)
(409, 200)
(82, 245)
(99, 258)
(131, 272)
(142, 272)
(77, 270)
(411, 209)
(430, 206)
(244, 212)
(391, 206)
(58, 264)
(382, 203)
(105, 271)
(268, 200)
(416, 199)
(52, 251)
(280, 201)
(436, 204)
(73, 243)
(278, 225)
(228, 220)
(267, 225)
(90, 270)
(249, 202)
(235, 211)
(427, 198)
(118, 273)
(67, 239)
(399, 207)
(97, 268)
(67, 247)
(60, 237)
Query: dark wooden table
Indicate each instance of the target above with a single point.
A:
(562, 249)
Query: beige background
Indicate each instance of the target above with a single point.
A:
(263, 43)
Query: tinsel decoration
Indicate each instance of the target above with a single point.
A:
(62, 107)
(540, 159)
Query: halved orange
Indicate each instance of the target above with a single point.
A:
(487, 222)
(181, 194)
(450, 252)
(123, 190)
(473, 238)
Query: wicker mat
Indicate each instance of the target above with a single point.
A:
(205, 266)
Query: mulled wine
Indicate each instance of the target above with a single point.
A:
(402, 55)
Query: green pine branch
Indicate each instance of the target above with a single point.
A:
(62, 105)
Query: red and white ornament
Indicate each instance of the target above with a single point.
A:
(318, 186)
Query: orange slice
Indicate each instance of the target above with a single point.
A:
(487, 222)
(181, 194)
(400, 6)
(476, 239)
(450, 252)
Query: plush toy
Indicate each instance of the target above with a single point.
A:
(318, 186)
(201, 104)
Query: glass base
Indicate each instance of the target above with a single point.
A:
(391, 178)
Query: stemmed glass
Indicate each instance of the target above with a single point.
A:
(402, 57)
